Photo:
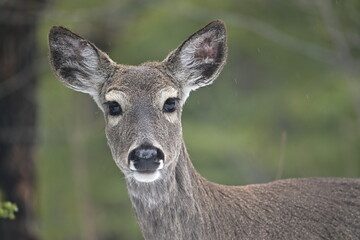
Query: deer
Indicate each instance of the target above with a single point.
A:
(142, 108)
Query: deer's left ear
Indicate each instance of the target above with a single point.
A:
(199, 60)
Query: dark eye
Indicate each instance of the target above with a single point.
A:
(170, 105)
(114, 108)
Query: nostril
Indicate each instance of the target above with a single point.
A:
(160, 154)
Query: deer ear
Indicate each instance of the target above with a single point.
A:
(78, 63)
(199, 60)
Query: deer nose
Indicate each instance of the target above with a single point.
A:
(146, 159)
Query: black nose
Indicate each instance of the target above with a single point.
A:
(146, 158)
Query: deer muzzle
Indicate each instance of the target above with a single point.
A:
(146, 159)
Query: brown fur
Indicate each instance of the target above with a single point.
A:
(180, 204)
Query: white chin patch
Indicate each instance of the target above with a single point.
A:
(146, 177)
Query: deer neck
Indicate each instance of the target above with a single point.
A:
(171, 204)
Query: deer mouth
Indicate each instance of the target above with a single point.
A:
(145, 161)
(146, 176)
(145, 170)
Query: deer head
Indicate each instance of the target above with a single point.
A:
(141, 104)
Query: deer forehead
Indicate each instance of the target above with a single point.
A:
(136, 84)
(125, 97)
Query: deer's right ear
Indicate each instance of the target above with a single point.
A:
(78, 63)
(199, 60)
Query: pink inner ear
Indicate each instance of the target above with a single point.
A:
(206, 50)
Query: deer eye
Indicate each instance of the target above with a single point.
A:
(114, 108)
(170, 105)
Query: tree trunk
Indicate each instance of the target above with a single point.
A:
(18, 22)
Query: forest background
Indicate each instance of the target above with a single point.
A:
(286, 105)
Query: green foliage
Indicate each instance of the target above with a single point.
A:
(7, 210)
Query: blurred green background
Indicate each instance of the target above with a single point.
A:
(286, 105)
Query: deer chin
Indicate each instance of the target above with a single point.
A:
(146, 177)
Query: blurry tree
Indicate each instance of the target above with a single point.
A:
(18, 24)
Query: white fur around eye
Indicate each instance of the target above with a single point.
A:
(163, 95)
(120, 98)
